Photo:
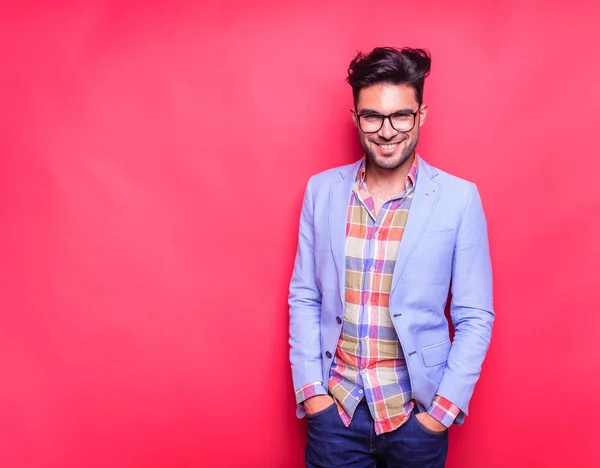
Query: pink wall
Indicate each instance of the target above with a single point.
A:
(153, 157)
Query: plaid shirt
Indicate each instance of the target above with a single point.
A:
(369, 360)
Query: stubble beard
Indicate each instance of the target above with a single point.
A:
(389, 163)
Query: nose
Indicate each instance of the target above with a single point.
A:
(387, 131)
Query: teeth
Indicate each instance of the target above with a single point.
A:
(388, 146)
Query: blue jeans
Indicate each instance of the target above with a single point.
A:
(331, 444)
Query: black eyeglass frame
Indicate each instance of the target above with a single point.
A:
(414, 114)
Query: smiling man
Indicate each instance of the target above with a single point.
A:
(381, 243)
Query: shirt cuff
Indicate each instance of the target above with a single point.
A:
(444, 411)
(310, 390)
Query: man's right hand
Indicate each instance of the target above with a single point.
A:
(318, 403)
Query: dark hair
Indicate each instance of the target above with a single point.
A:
(388, 65)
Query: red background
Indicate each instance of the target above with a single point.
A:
(153, 160)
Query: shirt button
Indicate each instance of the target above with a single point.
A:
(328, 354)
(369, 304)
(356, 398)
(366, 338)
(338, 319)
(360, 391)
(372, 268)
(377, 234)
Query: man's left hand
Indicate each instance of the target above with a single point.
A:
(430, 422)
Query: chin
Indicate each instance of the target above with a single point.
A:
(388, 161)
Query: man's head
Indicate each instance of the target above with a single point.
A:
(389, 82)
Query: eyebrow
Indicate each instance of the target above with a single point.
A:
(373, 111)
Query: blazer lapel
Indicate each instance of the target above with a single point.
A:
(425, 197)
(339, 200)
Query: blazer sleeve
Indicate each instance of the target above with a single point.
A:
(305, 304)
(471, 307)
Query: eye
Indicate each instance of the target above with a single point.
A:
(371, 117)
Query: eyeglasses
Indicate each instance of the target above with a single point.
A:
(400, 121)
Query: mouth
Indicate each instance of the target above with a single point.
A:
(388, 147)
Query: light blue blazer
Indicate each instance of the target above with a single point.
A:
(444, 247)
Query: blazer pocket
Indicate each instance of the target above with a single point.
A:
(436, 354)
(438, 236)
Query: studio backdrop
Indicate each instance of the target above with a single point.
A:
(153, 157)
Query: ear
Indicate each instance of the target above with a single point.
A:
(354, 116)
(422, 114)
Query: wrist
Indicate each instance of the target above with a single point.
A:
(317, 403)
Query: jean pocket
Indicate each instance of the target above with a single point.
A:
(428, 431)
(312, 416)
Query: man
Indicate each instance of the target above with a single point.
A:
(381, 243)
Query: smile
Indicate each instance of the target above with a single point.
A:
(388, 146)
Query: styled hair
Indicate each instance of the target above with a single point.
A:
(388, 65)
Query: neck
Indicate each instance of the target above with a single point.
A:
(392, 178)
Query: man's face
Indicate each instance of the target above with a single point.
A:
(388, 148)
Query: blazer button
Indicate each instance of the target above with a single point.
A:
(339, 320)
(328, 354)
